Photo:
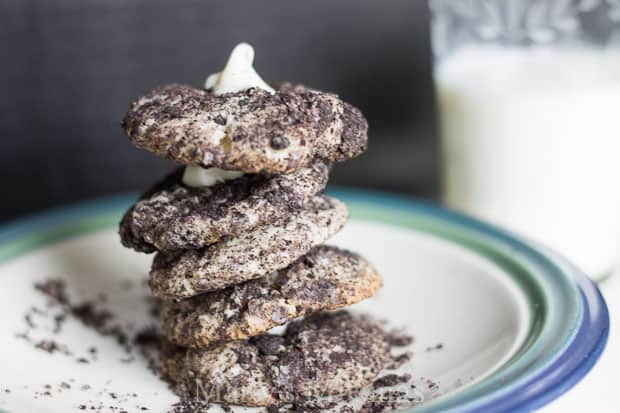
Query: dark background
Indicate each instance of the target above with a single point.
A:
(69, 69)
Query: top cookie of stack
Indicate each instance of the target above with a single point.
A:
(249, 131)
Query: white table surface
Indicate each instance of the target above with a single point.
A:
(599, 391)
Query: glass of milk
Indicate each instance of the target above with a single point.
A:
(529, 100)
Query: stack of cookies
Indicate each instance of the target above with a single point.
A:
(238, 234)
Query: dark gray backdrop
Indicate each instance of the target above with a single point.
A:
(69, 68)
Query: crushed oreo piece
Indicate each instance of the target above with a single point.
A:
(390, 380)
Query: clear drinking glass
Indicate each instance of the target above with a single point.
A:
(529, 102)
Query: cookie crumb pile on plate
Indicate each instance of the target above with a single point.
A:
(238, 234)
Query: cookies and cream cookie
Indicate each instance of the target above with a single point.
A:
(323, 354)
(327, 278)
(172, 216)
(250, 255)
(248, 131)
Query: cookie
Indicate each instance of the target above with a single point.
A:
(327, 278)
(248, 131)
(250, 255)
(172, 216)
(324, 354)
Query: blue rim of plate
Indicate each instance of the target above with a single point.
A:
(530, 381)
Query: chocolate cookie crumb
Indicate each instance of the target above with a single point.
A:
(279, 142)
(438, 346)
(399, 339)
(49, 346)
(399, 360)
(390, 380)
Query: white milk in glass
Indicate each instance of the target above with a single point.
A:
(531, 141)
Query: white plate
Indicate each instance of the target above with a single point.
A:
(472, 312)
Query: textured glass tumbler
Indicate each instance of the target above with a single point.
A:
(529, 105)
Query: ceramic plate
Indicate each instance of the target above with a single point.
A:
(499, 324)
